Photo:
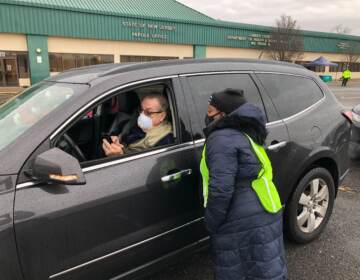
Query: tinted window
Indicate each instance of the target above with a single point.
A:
(290, 94)
(203, 86)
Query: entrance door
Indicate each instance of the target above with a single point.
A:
(11, 73)
(8, 72)
(2, 73)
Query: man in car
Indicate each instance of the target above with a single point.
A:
(152, 130)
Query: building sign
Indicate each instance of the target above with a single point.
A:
(149, 30)
(255, 39)
(343, 45)
(38, 59)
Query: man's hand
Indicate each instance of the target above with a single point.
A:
(113, 149)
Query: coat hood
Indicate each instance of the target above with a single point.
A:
(248, 119)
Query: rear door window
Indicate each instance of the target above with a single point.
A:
(290, 94)
(203, 86)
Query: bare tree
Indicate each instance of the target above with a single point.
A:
(286, 42)
(351, 49)
(352, 52)
(341, 29)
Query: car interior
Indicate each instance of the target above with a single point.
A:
(113, 117)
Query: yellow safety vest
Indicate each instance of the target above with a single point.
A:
(263, 185)
(347, 74)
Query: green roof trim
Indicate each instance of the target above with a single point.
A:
(168, 10)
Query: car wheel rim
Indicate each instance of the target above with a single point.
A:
(313, 205)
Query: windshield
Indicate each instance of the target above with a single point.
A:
(28, 108)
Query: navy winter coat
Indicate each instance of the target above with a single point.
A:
(246, 241)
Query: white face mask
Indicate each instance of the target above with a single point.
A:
(144, 122)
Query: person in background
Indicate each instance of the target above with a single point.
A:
(243, 210)
(346, 76)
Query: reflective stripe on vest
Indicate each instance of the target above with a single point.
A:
(263, 185)
(205, 175)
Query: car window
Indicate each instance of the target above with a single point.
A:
(28, 108)
(290, 94)
(203, 86)
(140, 119)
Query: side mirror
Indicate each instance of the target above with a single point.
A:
(56, 166)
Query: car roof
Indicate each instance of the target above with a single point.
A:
(89, 74)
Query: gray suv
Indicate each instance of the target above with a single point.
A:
(69, 212)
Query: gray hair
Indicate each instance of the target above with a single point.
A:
(164, 104)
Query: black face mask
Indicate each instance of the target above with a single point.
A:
(209, 120)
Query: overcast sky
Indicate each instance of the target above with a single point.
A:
(318, 15)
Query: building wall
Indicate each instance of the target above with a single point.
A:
(18, 42)
(13, 42)
(116, 48)
(216, 52)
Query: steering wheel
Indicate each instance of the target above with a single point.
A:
(74, 147)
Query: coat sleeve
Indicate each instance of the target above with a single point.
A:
(222, 162)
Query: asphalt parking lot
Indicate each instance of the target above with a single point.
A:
(335, 255)
(348, 96)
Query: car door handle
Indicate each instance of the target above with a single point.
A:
(176, 176)
(277, 146)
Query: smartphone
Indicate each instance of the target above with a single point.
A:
(107, 137)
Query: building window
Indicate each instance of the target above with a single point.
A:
(139, 58)
(319, 68)
(55, 61)
(312, 68)
(23, 65)
(336, 68)
(68, 61)
(62, 62)
(354, 67)
(13, 65)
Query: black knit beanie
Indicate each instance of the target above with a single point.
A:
(227, 100)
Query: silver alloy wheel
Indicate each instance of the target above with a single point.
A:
(313, 205)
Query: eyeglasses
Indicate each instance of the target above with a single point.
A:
(149, 114)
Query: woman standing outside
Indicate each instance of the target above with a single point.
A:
(243, 210)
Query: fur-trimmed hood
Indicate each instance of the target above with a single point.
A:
(248, 119)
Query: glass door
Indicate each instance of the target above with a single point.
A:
(2, 73)
(11, 72)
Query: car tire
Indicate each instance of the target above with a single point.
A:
(310, 206)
